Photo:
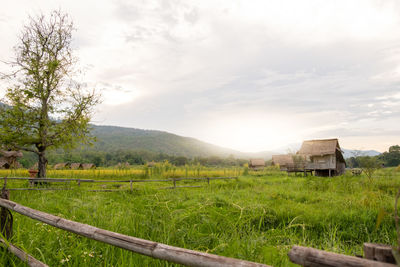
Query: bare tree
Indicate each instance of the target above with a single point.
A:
(45, 107)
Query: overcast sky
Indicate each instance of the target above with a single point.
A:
(248, 75)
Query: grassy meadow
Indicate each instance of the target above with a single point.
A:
(257, 217)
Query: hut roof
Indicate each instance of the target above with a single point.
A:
(61, 166)
(151, 164)
(257, 162)
(76, 166)
(11, 154)
(283, 159)
(319, 147)
(88, 166)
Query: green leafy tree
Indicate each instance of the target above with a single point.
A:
(45, 108)
(369, 165)
(392, 157)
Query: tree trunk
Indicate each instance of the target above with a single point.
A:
(42, 164)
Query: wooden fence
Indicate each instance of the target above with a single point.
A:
(375, 254)
(131, 181)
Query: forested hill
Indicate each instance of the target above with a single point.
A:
(112, 138)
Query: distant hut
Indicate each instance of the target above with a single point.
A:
(88, 166)
(290, 162)
(4, 164)
(62, 166)
(284, 161)
(324, 157)
(257, 164)
(151, 164)
(9, 158)
(76, 166)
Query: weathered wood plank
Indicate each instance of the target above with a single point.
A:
(114, 181)
(22, 255)
(311, 257)
(142, 246)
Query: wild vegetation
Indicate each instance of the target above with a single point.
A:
(46, 108)
(257, 217)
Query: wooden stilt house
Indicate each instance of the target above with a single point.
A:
(257, 164)
(324, 157)
(290, 162)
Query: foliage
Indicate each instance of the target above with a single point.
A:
(369, 165)
(46, 108)
(391, 158)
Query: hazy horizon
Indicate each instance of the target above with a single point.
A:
(251, 76)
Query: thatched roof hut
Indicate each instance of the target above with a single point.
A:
(323, 156)
(256, 164)
(9, 159)
(151, 164)
(11, 154)
(290, 162)
(76, 166)
(88, 166)
(62, 166)
(4, 164)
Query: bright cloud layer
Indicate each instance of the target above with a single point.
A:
(249, 75)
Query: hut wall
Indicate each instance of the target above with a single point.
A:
(340, 168)
(322, 162)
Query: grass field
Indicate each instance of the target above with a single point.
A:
(257, 218)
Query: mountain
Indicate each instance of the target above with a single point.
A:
(113, 138)
(348, 153)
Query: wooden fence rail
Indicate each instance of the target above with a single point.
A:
(312, 257)
(22, 255)
(149, 248)
(115, 181)
(33, 181)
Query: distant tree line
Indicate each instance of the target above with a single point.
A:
(390, 158)
(113, 158)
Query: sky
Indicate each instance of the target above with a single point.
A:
(247, 75)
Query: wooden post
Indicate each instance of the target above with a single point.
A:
(6, 218)
(208, 180)
(131, 185)
(329, 172)
(312, 257)
(378, 252)
(174, 182)
(79, 182)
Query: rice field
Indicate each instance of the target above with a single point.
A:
(138, 172)
(257, 217)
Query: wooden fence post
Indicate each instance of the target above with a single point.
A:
(79, 182)
(378, 252)
(174, 182)
(131, 185)
(208, 180)
(6, 218)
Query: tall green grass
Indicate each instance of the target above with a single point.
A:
(257, 218)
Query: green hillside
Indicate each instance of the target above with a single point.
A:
(112, 138)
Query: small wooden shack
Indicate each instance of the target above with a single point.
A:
(290, 162)
(62, 166)
(76, 166)
(9, 158)
(88, 166)
(257, 164)
(324, 157)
